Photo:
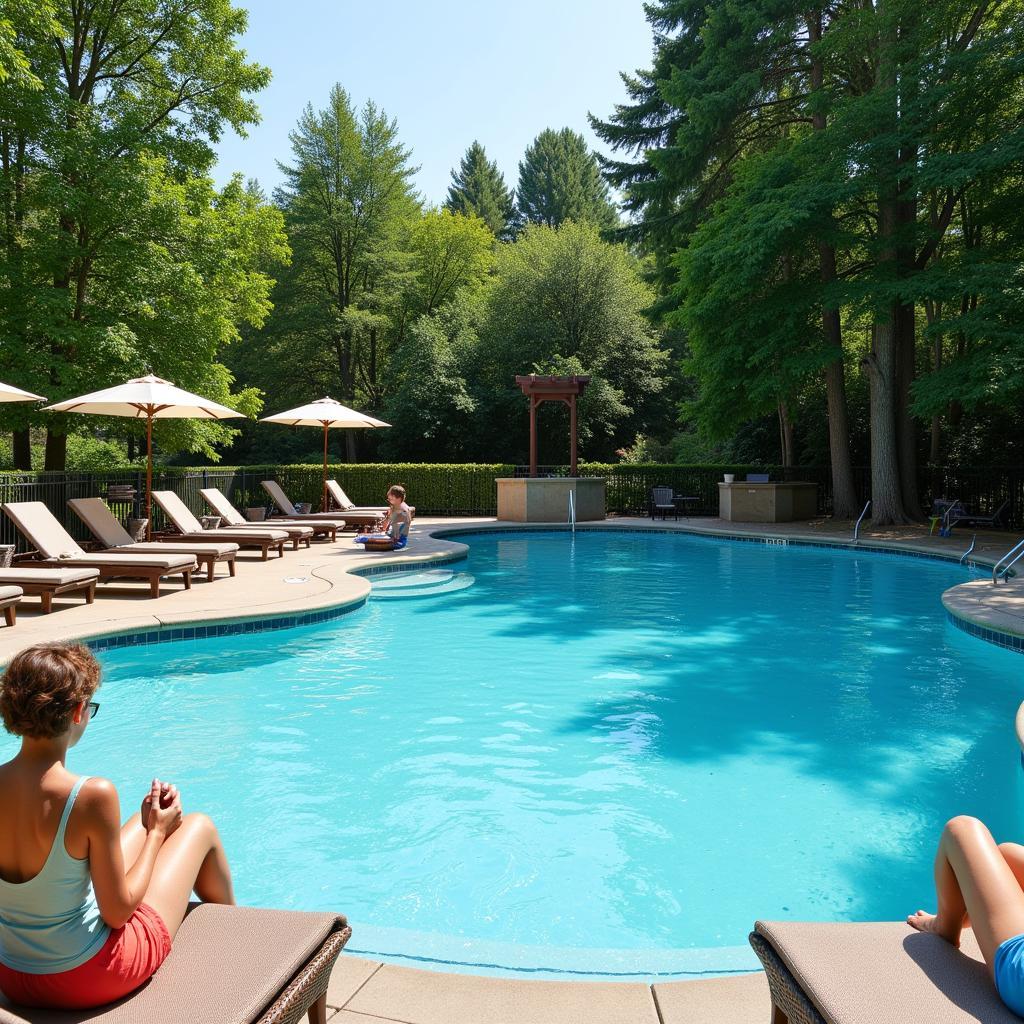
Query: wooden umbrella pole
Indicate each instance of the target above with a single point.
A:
(323, 492)
(149, 475)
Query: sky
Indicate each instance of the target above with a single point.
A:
(450, 71)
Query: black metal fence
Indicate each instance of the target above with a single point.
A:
(463, 490)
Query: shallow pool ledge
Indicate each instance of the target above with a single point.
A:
(989, 612)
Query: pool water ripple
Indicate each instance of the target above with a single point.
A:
(608, 755)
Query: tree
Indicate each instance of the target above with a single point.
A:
(560, 180)
(348, 202)
(564, 301)
(478, 189)
(449, 251)
(876, 122)
(115, 85)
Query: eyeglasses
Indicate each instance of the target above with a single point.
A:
(94, 709)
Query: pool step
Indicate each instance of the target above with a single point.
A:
(422, 583)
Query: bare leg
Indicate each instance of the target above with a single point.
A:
(973, 878)
(192, 859)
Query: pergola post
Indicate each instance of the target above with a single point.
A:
(572, 436)
(552, 389)
(533, 434)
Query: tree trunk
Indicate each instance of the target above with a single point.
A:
(886, 492)
(906, 425)
(56, 451)
(844, 492)
(786, 435)
(21, 449)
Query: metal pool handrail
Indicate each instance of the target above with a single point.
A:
(572, 511)
(969, 550)
(1012, 557)
(856, 529)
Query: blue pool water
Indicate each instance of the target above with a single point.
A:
(607, 755)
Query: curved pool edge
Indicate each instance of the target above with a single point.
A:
(340, 576)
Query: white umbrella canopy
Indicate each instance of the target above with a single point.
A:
(9, 393)
(328, 414)
(147, 398)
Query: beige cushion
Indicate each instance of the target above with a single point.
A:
(346, 503)
(9, 595)
(22, 574)
(279, 498)
(227, 965)
(238, 533)
(42, 529)
(887, 973)
(216, 499)
(180, 547)
(177, 511)
(117, 560)
(101, 522)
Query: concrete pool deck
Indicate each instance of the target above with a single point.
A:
(321, 578)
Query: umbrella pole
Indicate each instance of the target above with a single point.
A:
(323, 490)
(149, 476)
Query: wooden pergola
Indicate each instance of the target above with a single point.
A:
(552, 389)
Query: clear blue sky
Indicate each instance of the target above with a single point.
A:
(448, 70)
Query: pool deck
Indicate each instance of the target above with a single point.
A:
(368, 991)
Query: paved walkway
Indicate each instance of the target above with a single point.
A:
(369, 992)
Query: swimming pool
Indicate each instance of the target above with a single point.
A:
(607, 755)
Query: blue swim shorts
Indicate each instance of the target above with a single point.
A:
(1009, 973)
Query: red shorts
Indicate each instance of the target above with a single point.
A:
(129, 957)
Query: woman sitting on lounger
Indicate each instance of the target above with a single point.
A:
(88, 909)
(981, 884)
(395, 535)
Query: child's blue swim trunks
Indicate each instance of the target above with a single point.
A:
(1009, 973)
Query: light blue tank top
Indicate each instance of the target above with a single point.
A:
(52, 922)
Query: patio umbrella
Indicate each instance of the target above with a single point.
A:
(325, 413)
(148, 398)
(9, 393)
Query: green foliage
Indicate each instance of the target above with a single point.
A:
(449, 251)
(560, 180)
(478, 189)
(118, 255)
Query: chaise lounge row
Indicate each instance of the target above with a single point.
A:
(62, 566)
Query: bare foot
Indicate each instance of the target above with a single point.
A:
(925, 922)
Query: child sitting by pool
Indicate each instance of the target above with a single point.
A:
(394, 535)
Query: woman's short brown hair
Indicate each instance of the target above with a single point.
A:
(43, 685)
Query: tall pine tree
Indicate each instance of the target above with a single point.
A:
(478, 189)
(560, 180)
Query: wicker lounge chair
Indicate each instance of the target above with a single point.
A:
(229, 965)
(9, 598)
(114, 537)
(32, 578)
(874, 973)
(58, 549)
(181, 518)
(217, 500)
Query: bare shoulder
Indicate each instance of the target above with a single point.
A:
(98, 799)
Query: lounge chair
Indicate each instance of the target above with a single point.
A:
(287, 511)
(217, 500)
(32, 578)
(995, 520)
(229, 965)
(882, 973)
(9, 598)
(58, 549)
(114, 537)
(265, 538)
(337, 497)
